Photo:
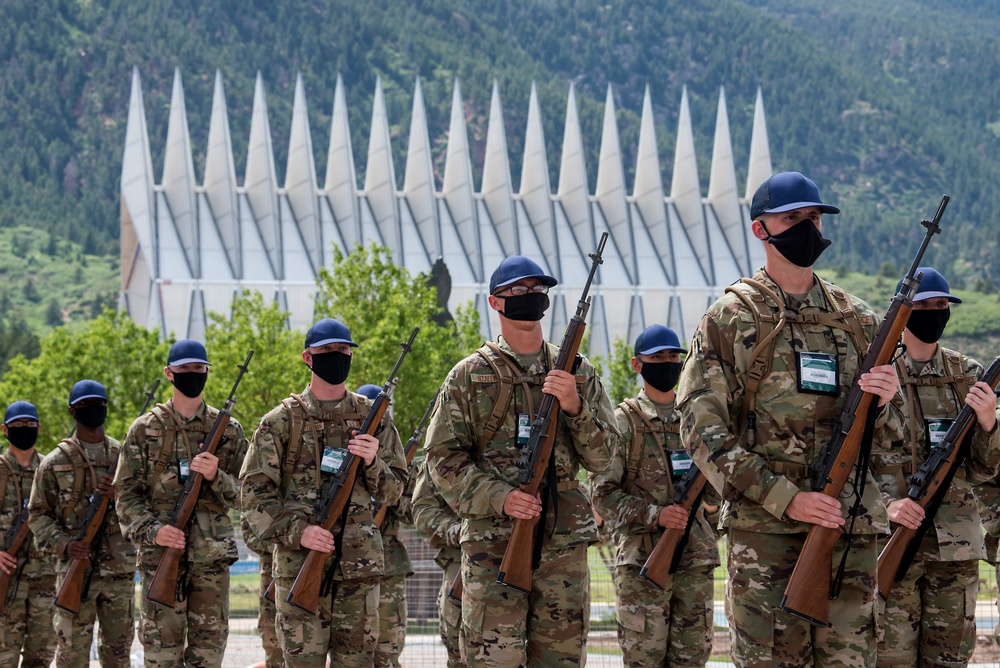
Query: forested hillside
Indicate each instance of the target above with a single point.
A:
(887, 103)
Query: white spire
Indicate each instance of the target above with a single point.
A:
(138, 250)
(573, 193)
(647, 192)
(496, 188)
(380, 177)
(723, 195)
(178, 179)
(220, 178)
(261, 183)
(458, 186)
(341, 180)
(610, 190)
(300, 178)
(685, 190)
(759, 169)
(536, 191)
(418, 182)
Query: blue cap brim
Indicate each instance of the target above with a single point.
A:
(544, 278)
(189, 360)
(21, 416)
(87, 396)
(317, 344)
(921, 296)
(656, 349)
(825, 208)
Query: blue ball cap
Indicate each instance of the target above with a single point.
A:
(932, 284)
(369, 390)
(86, 389)
(656, 338)
(187, 351)
(516, 268)
(327, 331)
(787, 191)
(20, 410)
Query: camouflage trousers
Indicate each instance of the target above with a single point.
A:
(505, 627)
(265, 617)
(665, 628)
(345, 626)
(930, 617)
(194, 632)
(26, 626)
(765, 636)
(111, 600)
(450, 616)
(391, 621)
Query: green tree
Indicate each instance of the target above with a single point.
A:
(616, 371)
(111, 349)
(381, 303)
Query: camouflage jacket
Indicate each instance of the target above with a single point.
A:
(631, 510)
(764, 469)
(397, 559)
(144, 505)
(477, 480)
(434, 518)
(958, 531)
(10, 508)
(60, 498)
(278, 509)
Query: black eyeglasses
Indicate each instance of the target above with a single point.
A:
(521, 290)
(23, 423)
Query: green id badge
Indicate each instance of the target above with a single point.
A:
(680, 464)
(523, 428)
(818, 373)
(333, 459)
(935, 430)
(183, 470)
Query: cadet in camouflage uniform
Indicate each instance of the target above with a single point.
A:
(436, 520)
(392, 586)
(471, 455)
(26, 626)
(159, 452)
(764, 456)
(294, 456)
(266, 609)
(635, 497)
(73, 474)
(930, 614)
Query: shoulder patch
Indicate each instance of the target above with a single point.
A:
(59, 468)
(866, 319)
(484, 378)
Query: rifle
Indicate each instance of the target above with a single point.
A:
(409, 451)
(519, 560)
(808, 593)
(666, 555)
(15, 539)
(76, 582)
(163, 587)
(334, 503)
(928, 487)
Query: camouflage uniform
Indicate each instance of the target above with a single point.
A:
(436, 520)
(60, 500)
(655, 628)
(765, 467)
(279, 502)
(266, 609)
(392, 586)
(195, 630)
(930, 614)
(500, 625)
(26, 627)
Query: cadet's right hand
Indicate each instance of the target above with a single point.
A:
(106, 487)
(8, 564)
(673, 517)
(522, 506)
(76, 549)
(317, 538)
(169, 536)
(815, 508)
(907, 512)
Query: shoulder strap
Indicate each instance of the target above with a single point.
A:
(505, 377)
(7, 473)
(954, 367)
(635, 447)
(845, 314)
(170, 427)
(297, 413)
(75, 454)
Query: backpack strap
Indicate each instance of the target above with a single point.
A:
(297, 415)
(75, 453)
(7, 473)
(504, 373)
(954, 369)
(170, 428)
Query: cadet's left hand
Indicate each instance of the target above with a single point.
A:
(881, 381)
(206, 464)
(562, 385)
(105, 487)
(672, 517)
(984, 401)
(364, 446)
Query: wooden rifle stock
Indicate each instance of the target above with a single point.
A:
(163, 587)
(662, 561)
(18, 533)
(927, 489)
(516, 566)
(305, 591)
(409, 452)
(807, 594)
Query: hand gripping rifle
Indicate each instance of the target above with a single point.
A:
(335, 503)
(928, 487)
(15, 539)
(163, 588)
(808, 593)
(517, 564)
(76, 582)
(666, 555)
(409, 451)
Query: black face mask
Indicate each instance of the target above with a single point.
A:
(529, 307)
(92, 416)
(333, 367)
(22, 438)
(801, 244)
(928, 324)
(191, 383)
(661, 375)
